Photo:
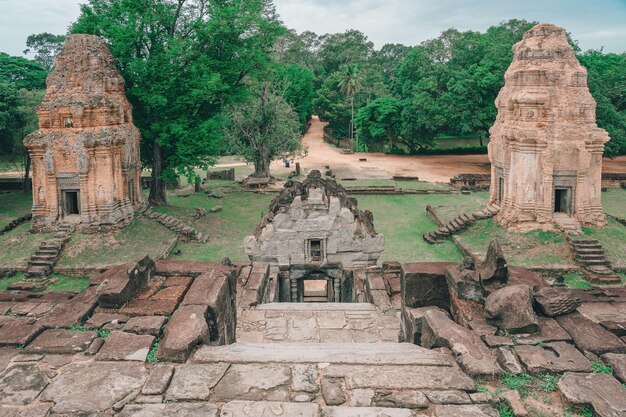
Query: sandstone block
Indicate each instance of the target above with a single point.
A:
(158, 380)
(553, 357)
(170, 410)
(150, 325)
(122, 346)
(332, 390)
(21, 384)
(590, 336)
(195, 382)
(618, 362)
(424, 284)
(18, 331)
(187, 328)
(251, 382)
(494, 268)
(606, 396)
(268, 409)
(556, 301)
(61, 341)
(511, 309)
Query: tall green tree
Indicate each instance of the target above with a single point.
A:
(184, 61)
(264, 129)
(22, 72)
(350, 84)
(46, 46)
(11, 118)
(297, 84)
(378, 122)
(607, 83)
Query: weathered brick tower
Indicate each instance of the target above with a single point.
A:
(85, 155)
(546, 149)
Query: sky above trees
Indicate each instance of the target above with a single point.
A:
(595, 24)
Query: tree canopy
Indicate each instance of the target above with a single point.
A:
(183, 61)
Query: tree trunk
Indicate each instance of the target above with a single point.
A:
(262, 165)
(26, 183)
(157, 187)
(352, 123)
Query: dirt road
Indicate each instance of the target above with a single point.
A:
(438, 168)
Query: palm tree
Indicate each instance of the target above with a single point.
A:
(350, 85)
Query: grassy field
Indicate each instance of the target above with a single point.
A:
(14, 205)
(614, 202)
(19, 245)
(131, 243)
(61, 283)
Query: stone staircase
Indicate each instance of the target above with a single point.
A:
(459, 223)
(567, 224)
(590, 254)
(45, 258)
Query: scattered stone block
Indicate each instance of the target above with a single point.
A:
(515, 403)
(21, 384)
(66, 315)
(554, 302)
(332, 391)
(100, 319)
(476, 410)
(94, 386)
(18, 331)
(158, 380)
(251, 382)
(122, 346)
(61, 341)
(448, 397)
(304, 378)
(424, 284)
(121, 282)
(170, 410)
(95, 346)
(400, 399)
(365, 412)
(35, 410)
(494, 268)
(553, 357)
(508, 361)
(187, 328)
(606, 396)
(146, 325)
(470, 351)
(590, 336)
(194, 382)
(618, 362)
(549, 331)
(511, 309)
(269, 409)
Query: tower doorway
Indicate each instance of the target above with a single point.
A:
(71, 204)
(563, 200)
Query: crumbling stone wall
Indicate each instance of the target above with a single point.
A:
(315, 209)
(86, 141)
(545, 135)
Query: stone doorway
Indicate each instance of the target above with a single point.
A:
(563, 200)
(500, 190)
(71, 202)
(316, 290)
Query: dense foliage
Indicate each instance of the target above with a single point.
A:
(184, 61)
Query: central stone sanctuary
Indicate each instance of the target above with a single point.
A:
(315, 232)
(546, 149)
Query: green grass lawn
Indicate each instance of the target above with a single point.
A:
(613, 239)
(402, 219)
(614, 202)
(18, 245)
(142, 236)
(14, 205)
(61, 283)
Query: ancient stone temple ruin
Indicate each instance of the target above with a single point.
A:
(546, 149)
(85, 155)
(315, 232)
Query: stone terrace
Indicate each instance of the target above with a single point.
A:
(317, 360)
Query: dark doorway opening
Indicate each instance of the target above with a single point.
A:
(131, 191)
(500, 190)
(70, 202)
(562, 200)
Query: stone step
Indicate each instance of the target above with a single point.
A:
(38, 271)
(595, 262)
(44, 262)
(317, 307)
(315, 299)
(44, 257)
(383, 353)
(590, 251)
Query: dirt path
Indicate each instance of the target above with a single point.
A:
(439, 168)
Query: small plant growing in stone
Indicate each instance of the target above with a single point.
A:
(600, 368)
(104, 333)
(548, 382)
(77, 328)
(504, 410)
(151, 358)
(518, 382)
(20, 347)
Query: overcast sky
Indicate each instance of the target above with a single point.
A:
(594, 23)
